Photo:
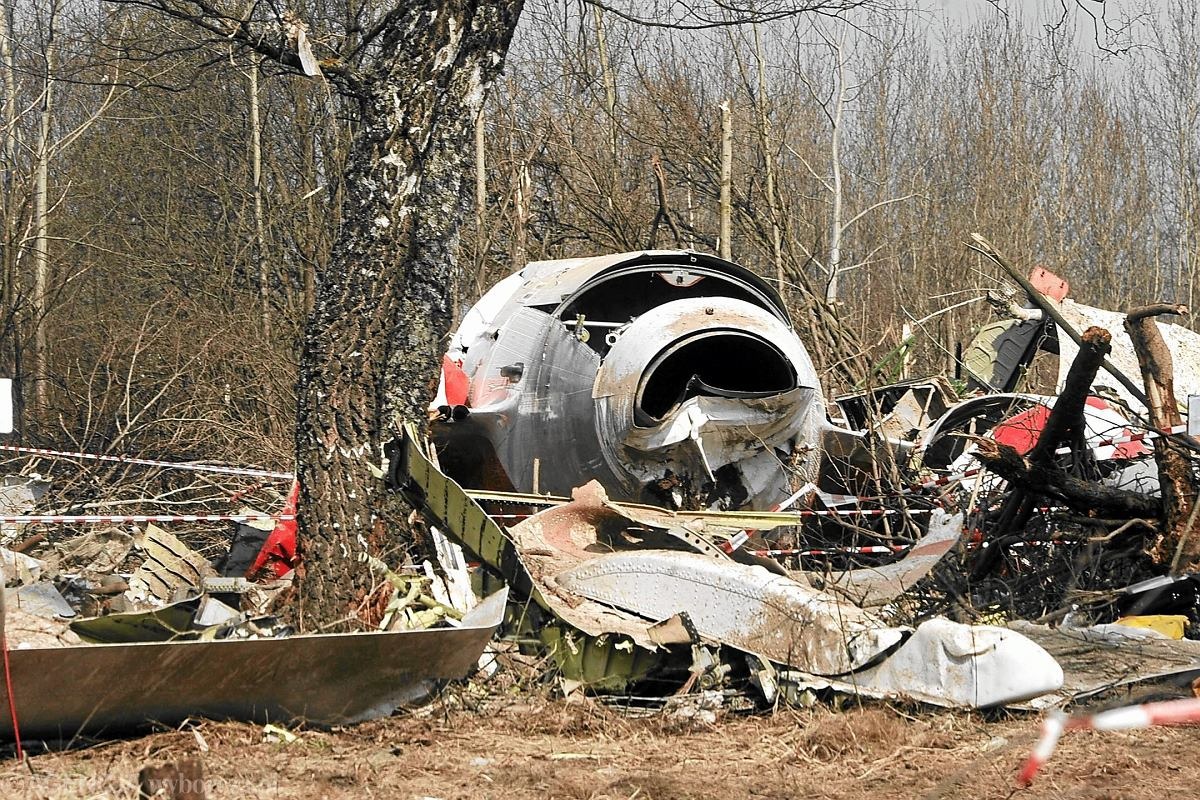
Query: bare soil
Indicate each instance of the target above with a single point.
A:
(557, 749)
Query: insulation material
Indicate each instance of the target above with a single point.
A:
(171, 571)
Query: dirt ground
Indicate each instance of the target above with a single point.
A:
(559, 749)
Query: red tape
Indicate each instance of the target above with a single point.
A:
(12, 704)
(1169, 712)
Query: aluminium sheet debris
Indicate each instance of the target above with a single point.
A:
(740, 605)
(39, 598)
(950, 664)
(171, 571)
(323, 679)
(18, 495)
(93, 554)
(25, 569)
(154, 625)
(1183, 343)
(876, 586)
(565, 556)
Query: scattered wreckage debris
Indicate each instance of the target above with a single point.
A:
(659, 485)
(322, 679)
(189, 638)
(554, 381)
(673, 378)
(598, 598)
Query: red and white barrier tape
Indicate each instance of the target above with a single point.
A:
(70, 519)
(1053, 726)
(741, 537)
(1119, 440)
(886, 549)
(946, 479)
(837, 551)
(148, 462)
(1146, 715)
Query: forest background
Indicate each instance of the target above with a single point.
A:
(164, 208)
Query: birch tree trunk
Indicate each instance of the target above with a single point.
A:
(764, 134)
(836, 228)
(725, 243)
(8, 214)
(260, 235)
(41, 220)
(373, 343)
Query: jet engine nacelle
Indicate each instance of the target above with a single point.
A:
(669, 377)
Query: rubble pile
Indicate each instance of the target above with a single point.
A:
(89, 597)
(632, 462)
(704, 517)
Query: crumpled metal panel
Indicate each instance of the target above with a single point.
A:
(531, 381)
(518, 555)
(154, 625)
(542, 417)
(705, 433)
(949, 664)
(945, 665)
(876, 586)
(18, 495)
(329, 679)
(739, 605)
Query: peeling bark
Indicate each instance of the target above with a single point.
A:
(1180, 545)
(373, 341)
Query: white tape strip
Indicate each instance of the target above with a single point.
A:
(69, 519)
(215, 468)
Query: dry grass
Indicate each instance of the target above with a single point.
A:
(536, 748)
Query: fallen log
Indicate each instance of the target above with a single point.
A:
(1086, 497)
(1180, 546)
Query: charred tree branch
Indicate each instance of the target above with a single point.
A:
(1064, 424)
(1079, 495)
(985, 248)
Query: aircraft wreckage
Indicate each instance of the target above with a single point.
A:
(658, 375)
(610, 432)
(638, 454)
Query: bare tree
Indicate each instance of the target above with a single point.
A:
(44, 119)
(414, 75)
(834, 101)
